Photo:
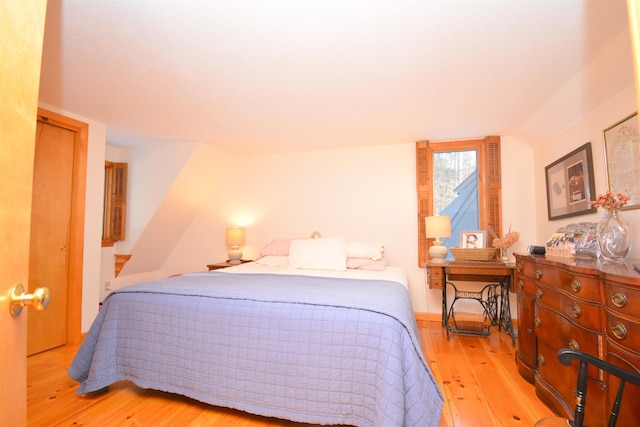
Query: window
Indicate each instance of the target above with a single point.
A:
(461, 179)
(115, 201)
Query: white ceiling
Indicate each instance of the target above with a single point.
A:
(291, 75)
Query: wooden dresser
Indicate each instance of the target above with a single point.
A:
(583, 304)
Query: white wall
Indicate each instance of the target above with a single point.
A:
(588, 129)
(151, 173)
(167, 187)
(363, 194)
(366, 193)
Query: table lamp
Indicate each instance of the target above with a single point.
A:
(437, 227)
(235, 239)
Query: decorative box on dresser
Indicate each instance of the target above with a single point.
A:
(583, 304)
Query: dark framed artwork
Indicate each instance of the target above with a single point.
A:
(570, 184)
(622, 159)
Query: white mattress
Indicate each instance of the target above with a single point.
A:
(390, 273)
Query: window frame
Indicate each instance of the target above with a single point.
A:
(489, 184)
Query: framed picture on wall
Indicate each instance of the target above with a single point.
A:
(570, 184)
(622, 158)
(476, 239)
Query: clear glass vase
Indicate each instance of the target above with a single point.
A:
(614, 236)
(504, 255)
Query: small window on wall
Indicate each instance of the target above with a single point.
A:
(460, 179)
(456, 190)
(115, 201)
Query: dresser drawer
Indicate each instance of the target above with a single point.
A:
(623, 330)
(581, 312)
(558, 332)
(524, 268)
(436, 277)
(631, 399)
(585, 287)
(563, 379)
(526, 286)
(622, 299)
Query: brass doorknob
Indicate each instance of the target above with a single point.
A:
(39, 299)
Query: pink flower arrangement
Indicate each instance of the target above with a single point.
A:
(506, 241)
(610, 201)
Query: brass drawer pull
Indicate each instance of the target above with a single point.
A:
(520, 284)
(537, 322)
(576, 311)
(576, 285)
(539, 293)
(541, 360)
(519, 268)
(573, 345)
(619, 299)
(619, 331)
(538, 274)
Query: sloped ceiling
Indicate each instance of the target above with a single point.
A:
(291, 75)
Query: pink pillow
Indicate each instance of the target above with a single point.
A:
(367, 264)
(276, 247)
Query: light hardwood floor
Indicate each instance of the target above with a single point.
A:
(477, 376)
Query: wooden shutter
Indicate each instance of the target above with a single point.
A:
(424, 186)
(115, 203)
(493, 185)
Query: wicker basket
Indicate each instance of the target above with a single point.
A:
(470, 322)
(481, 254)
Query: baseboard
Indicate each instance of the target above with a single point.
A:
(423, 318)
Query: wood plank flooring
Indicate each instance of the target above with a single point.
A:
(477, 376)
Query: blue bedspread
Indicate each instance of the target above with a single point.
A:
(303, 348)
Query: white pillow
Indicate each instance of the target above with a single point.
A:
(273, 260)
(325, 253)
(364, 250)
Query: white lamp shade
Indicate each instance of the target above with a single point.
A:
(437, 226)
(235, 236)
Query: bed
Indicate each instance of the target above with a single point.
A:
(308, 345)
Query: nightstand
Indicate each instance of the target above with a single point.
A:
(224, 264)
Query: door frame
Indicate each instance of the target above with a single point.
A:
(76, 233)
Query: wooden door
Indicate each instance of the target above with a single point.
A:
(21, 37)
(50, 231)
(61, 160)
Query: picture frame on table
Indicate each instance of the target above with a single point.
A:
(473, 239)
(622, 159)
(570, 184)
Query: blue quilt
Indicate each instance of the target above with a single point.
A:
(308, 349)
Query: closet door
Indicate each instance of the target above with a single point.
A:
(50, 232)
